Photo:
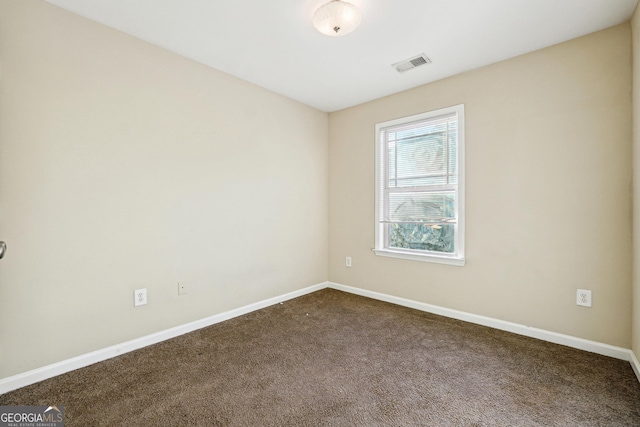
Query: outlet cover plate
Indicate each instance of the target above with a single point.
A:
(182, 288)
(583, 297)
(139, 297)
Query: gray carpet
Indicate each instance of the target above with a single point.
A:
(335, 359)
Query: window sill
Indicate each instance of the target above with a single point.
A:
(419, 257)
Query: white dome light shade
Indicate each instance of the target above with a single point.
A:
(336, 18)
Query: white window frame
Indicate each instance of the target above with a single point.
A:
(457, 257)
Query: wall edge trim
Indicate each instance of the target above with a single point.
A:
(503, 325)
(49, 371)
(635, 364)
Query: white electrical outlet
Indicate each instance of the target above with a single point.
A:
(182, 288)
(139, 297)
(348, 261)
(583, 298)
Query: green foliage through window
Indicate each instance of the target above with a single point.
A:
(435, 238)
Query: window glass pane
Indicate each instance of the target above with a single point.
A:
(432, 207)
(422, 161)
(435, 238)
(391, 159)
(453, 152)
(422, 155)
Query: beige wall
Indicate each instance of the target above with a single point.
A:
(124, 166)
(635, 28)
(548, 153)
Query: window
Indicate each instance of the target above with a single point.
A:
(420, 187)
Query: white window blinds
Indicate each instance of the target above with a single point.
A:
(418, 176)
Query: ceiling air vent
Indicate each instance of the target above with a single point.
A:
(411, 63)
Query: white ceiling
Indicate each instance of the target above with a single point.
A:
(273, 44)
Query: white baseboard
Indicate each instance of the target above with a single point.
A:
(49, 371)
(36, 375)
(567, 340)
(635, 364)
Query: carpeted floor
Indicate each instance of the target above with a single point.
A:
(335, 359)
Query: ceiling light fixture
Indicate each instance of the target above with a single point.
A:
(336, 18)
